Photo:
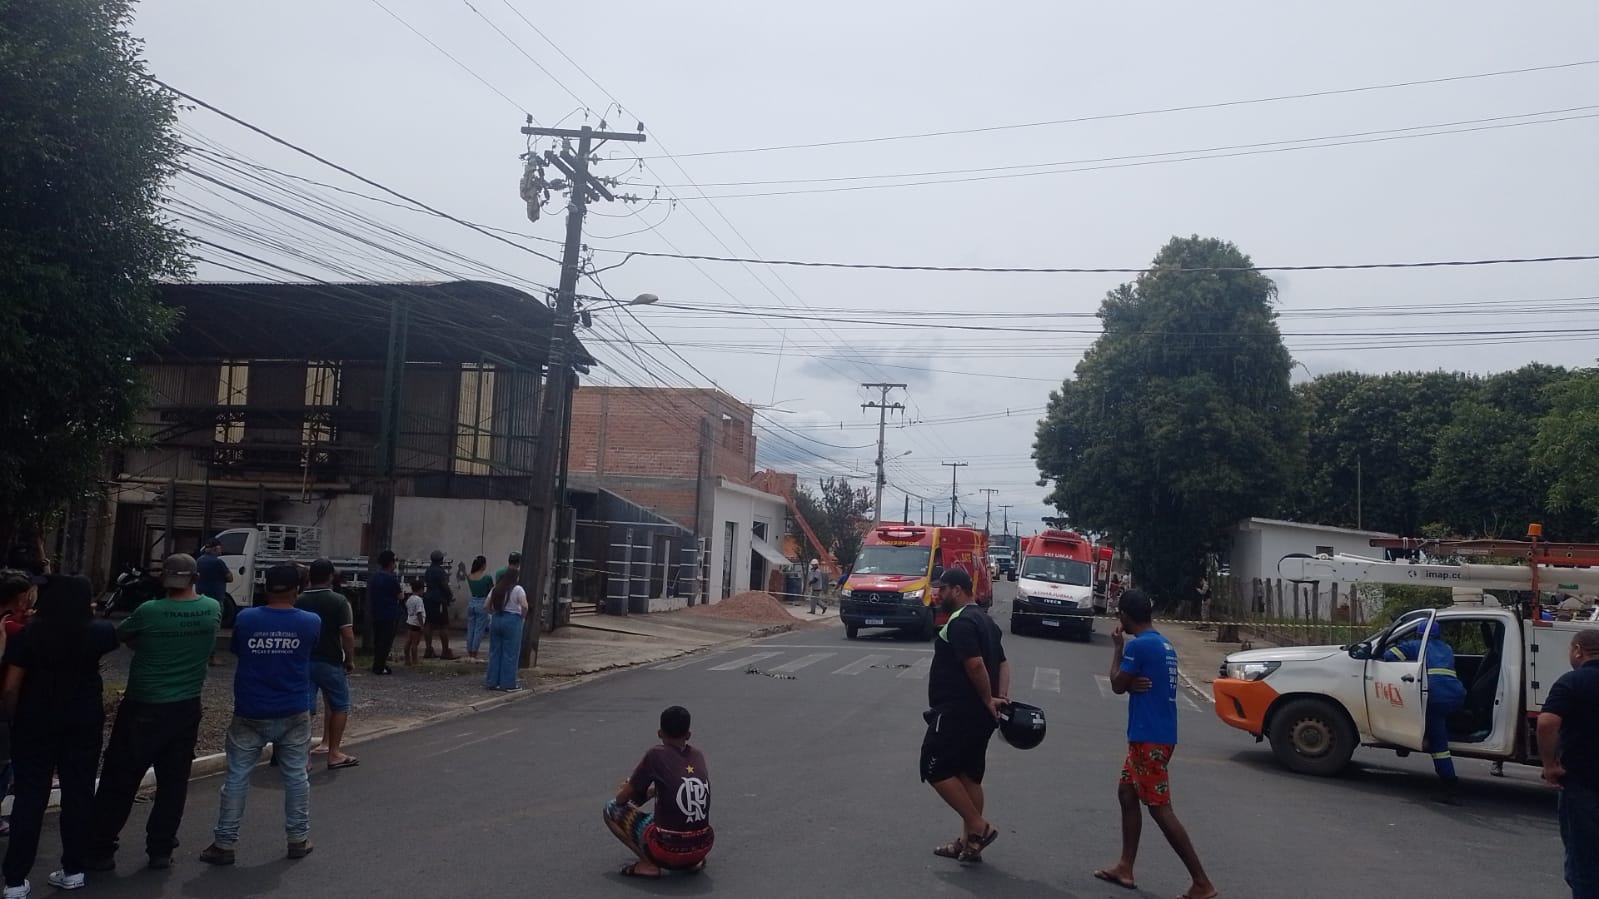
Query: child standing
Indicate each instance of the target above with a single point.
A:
(415, 617)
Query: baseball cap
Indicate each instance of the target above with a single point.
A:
(955, 577)
(210, 543)
(178, 571)
(282, 577)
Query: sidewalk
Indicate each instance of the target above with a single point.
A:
(1199, 656)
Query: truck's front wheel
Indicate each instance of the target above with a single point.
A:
(1312, 736)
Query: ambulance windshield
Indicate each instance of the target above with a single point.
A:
(1058, 571)
(885, 559)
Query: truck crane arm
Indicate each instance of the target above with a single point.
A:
(1345, 568)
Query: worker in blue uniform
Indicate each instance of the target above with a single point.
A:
(1445, 694)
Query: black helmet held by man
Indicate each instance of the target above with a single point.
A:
(1021, 725)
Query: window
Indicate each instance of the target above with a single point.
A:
(474, 423)
(321, 395)
(1325, 551)
(233, 388)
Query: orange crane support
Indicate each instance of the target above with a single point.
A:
(829, 563)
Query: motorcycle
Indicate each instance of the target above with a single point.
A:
(134, 587)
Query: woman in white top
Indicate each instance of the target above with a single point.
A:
(507, 608)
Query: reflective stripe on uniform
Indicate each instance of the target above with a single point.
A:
(943, 632)
(1397, 653)
(1441, 755)
(1448, 671)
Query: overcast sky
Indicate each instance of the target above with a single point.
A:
(350, 82)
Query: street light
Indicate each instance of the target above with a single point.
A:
(643, 299)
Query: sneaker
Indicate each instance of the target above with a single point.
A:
(21, 892)
(61, 880)
(301, 849)
(159, 862)
(216, 855)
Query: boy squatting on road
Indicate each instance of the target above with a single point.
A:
(678, 836)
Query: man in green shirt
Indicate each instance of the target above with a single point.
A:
(332, 660)
(159, 718)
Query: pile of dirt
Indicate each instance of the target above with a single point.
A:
(755, 607)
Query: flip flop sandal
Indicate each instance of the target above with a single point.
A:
(1111, 878)
(349, 762)
(632, 871)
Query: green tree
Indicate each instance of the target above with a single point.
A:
(1179, 421)
(1566, 449)
(838, 513)
(88, 143)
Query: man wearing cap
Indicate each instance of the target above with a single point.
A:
(332, 659)
(214, 576)
(159, 718)
(967, 684)
(437, 599)
(274, 644)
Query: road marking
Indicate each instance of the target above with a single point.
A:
(1105, 690)
(747, 660)
(1047, 679)
(802, 662)
(873, 645)
(502, 733)
(862, 663)
(1191, 704)
(918, 670)
(686, 661)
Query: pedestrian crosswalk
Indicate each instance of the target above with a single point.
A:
(901, 663)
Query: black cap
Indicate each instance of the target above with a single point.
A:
(282, 577)
(210, 543)
(321, 571)
(955, 577)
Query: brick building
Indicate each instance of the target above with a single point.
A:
(687, 455)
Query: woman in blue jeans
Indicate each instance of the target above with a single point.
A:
(507, 607)
(480, 582)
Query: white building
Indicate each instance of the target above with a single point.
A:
(1259, 543)
(745, 539)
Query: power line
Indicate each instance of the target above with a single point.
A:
(464, 67)
(1097, 270)
(1137, 113)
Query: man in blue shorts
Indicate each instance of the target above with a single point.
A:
(332, 660)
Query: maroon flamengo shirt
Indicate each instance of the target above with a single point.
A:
(682, 787)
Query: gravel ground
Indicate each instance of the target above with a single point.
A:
(378, 702)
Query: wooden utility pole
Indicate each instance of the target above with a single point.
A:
(882, 405)
(546, 488)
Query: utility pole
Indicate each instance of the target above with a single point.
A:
(954, 486)
(882, 405)
(988, 507)
(907, 518)
(546, 493)
(1005, 512)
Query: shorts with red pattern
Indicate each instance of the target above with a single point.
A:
(1145, 769)
(671, 849)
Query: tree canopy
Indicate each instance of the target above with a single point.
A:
(1179, 420)
(88, 144)
(838, 512)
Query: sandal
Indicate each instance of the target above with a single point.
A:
(972, 847)
(631, 870)
(952, 849)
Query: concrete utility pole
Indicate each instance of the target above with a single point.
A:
(954, 487)
(1005, 512)
(882, 405)
(988, 507)
(547, 487)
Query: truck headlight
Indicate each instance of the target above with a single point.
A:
(1251, 670)
(846, 593)
(909, 595)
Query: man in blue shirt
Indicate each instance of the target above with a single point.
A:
(388, 610)
(1146, 668)
(212, 577)
(270, 686)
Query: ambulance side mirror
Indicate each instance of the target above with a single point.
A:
(938, 572)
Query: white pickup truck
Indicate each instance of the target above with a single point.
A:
(1316, 704)
(249, 552)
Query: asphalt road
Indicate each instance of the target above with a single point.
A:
(815, 794)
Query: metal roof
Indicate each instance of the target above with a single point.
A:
(449, 322)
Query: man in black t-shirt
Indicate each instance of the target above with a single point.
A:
(1568, 743)
(677, 836)
(967, 685)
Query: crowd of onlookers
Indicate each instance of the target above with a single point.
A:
(295, 647)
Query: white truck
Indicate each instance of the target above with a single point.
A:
(1316, 704)
(249, 552)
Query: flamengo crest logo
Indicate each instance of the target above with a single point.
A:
(692, 795)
